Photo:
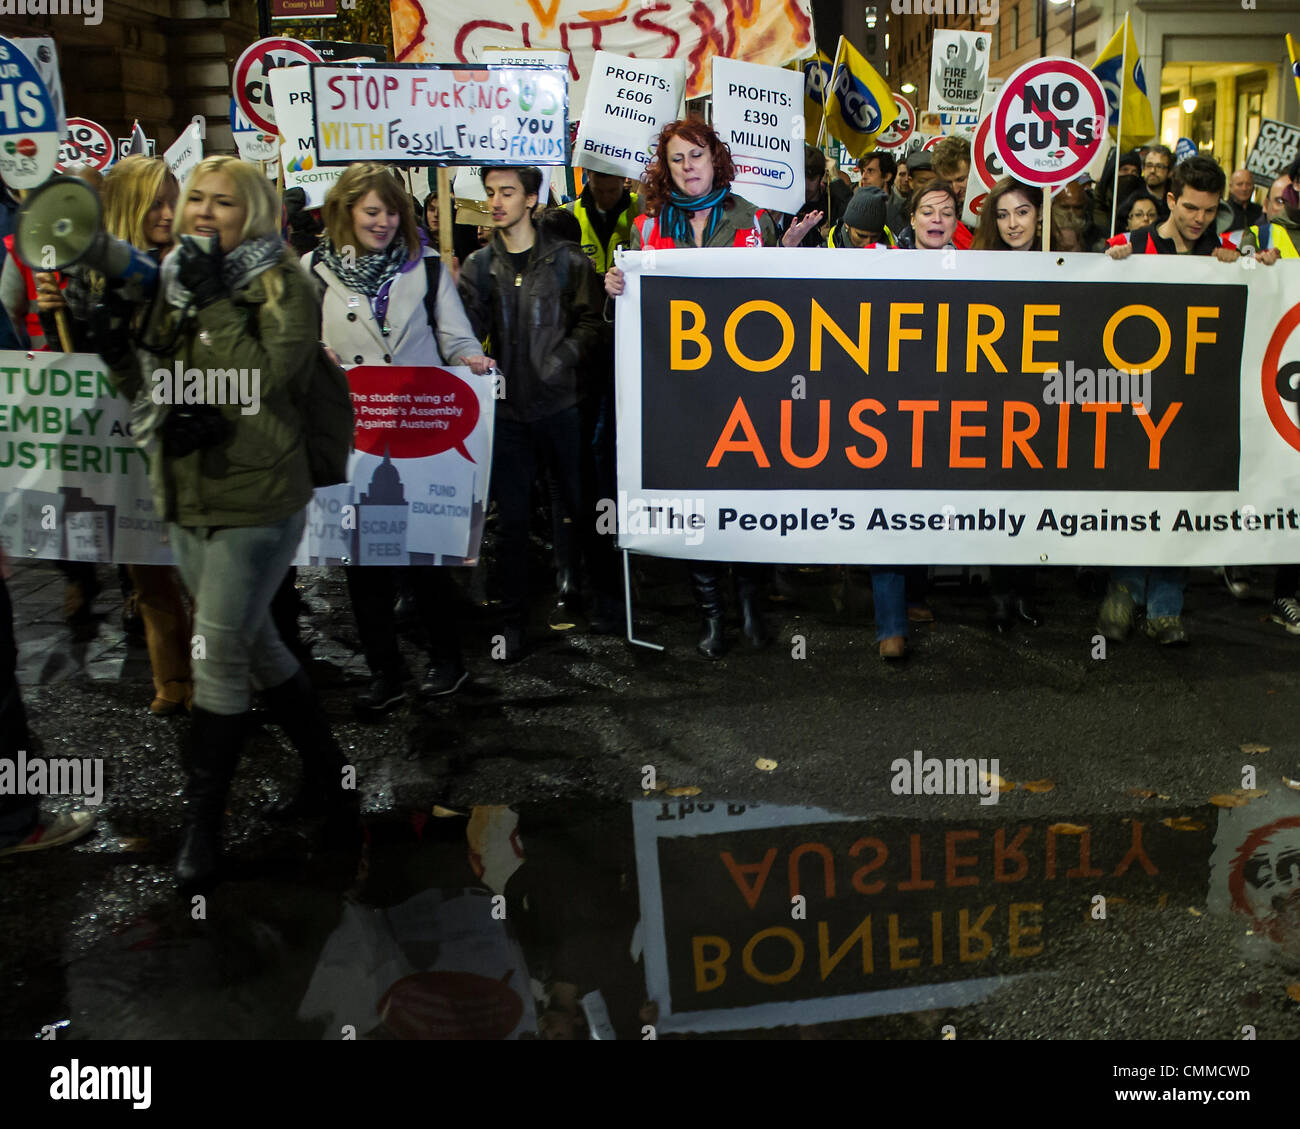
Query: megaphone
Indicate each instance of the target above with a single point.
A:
(61, 224)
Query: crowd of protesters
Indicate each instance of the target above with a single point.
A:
(283, 289)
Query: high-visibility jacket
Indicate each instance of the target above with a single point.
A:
(602, 254)
(1275, 235)
(889, 240)
(743, 225)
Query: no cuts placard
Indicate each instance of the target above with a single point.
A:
(252, 90)
(1049, 121)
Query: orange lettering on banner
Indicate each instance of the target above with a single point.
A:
(882, 853)
(896, 331)
(977, 342)
(796, 957)
(1019, 437)
(1136, 853)
(828, 867)
(603, 13)
(821, 322)
(951, 860)
(1101, 411)
(1001, 853)
(1062, 436)
(918, 408)
(823, 434)
(941, 340)
(1118, 318)
(738, 315)
(1032, 335)
(1156, 432)
(726, 443)
(678, 333)
(916, 882)
(545, 15)
(739, 871)
(874, 434)
(960, 431)
(1195, 336)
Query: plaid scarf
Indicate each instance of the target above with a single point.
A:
(238, 267)
(367, 273)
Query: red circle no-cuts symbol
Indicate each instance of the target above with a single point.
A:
(900, 129)
(1278, 385)
(88, 142)
(1050, 121)
(252, 90)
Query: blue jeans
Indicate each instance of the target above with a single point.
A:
(1159, 589)
(232, 572)
(888, 594)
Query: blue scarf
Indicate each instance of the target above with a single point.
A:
(675, 216)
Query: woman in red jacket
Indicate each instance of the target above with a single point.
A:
(689, 203)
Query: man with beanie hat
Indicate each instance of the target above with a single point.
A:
(864, 223)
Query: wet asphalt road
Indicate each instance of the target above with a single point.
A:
(97, 937)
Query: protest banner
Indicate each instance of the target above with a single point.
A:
(251, 86)
(899, 131)
(74, 486)
(1049, 121)
(756, 916)
(629, 101)
(949, 124)
(291, 97)
(440, 114)
(1275, 148)
(985, 171)
(253, 142)
(30, 135)
(959, 66)
(757, 112)
(44, 55)
(903, 411)
(334, 51)
(185, 152)
(774, 32)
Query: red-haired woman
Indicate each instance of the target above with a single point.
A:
(689, 203)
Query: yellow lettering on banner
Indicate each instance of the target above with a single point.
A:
(936, 937)
(1032, 335)
(897, 944)
(678, 333)
(1017, 930)
(984, 342)
(1195, 336)
(941, 342)
(738, 315)
(828, 960)
(897, 333)
(796, 962)
(1118, 318)
(966, 931)
(823, 323)
(717, 965)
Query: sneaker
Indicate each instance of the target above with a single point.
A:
(443, 678)
(1115, 619)
(1236, 581)
(62, 829)
(384, 692)
(893, 648)
(1167, 630)
(1286, 611)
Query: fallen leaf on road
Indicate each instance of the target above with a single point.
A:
(1293, 992)
(1291, 783)
(994, 779)
(1141, 793)
(1251, 747)
(440, 812)
(1222, 801)
(1194, 911)
(764, 763)
(1183, 823)
(133, 844)
(1250, 793)
(685, 790)
(1069, 828)
(1038, 785)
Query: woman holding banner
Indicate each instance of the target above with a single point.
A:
(386, 299)
(139, 197)
(689, 203)
(1011, 220)
(234, 485)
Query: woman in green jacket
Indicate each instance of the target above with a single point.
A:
(230, 475)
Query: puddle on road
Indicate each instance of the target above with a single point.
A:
(685, 918)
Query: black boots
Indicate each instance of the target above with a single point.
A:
(750, 591)
(297, 710)
(706, 582)
(215, 742)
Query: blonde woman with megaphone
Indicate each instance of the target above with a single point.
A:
(139, 197)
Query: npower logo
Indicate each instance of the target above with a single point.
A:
(1280, 379)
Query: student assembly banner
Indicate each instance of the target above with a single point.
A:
(74, 486)
(975, 408)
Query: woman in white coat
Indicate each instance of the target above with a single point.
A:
(375, 274)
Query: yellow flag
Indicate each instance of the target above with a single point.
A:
(1131, 122)
(816, 78)
(1294, 51)
(858, 102)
